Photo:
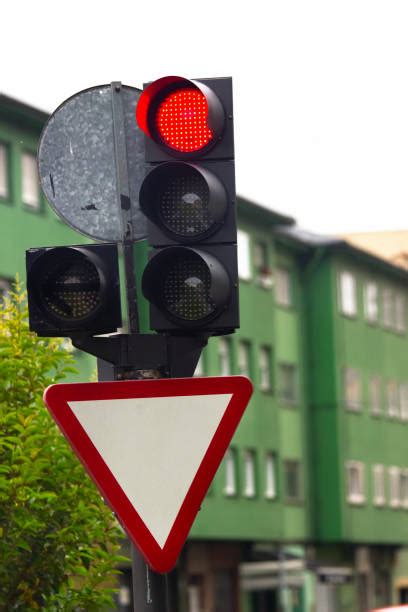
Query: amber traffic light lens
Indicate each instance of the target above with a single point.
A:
(184, 205)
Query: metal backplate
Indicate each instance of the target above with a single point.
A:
(77, 167)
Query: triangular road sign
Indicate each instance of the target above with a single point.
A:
(152, 447)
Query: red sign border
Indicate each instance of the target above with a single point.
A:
(56, 398)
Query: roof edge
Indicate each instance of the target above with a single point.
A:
(267, 214)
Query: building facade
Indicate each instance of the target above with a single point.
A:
(309, 510)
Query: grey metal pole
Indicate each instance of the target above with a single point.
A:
(150, 589)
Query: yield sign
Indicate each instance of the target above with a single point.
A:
(152, 448)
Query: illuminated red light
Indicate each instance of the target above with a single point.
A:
(181, 120)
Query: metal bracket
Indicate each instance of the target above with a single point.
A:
(134, 354)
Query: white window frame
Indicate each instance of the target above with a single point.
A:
(4, 171)
(244, 358)
(374, 394)
(394, 473)
(347, 293)
(404, 488)
(352, 388)
(378, 485)
(230, 488)
(403, 399)
(371, 309)
(283, 286)
(249, 473)
(270, 476)
(244, 255)
(265, 378)
(224, 356)
(30, 186)
(393, 409)
(355, 486)
(388, 306)
(400, 312)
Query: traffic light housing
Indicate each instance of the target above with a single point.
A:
(73, 290)
(188, 197)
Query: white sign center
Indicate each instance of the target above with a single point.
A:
(153, 447)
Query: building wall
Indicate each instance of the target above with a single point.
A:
(353, 433)
(23, 227)
(271, 424)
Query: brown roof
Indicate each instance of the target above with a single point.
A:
(391, 245)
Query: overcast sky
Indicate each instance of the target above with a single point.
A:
(320, 88)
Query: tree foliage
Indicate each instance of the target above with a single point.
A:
(58, 540)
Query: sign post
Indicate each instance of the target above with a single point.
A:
(153, 441)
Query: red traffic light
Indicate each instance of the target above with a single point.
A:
(184, 117)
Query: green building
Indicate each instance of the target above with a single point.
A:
(309, 510)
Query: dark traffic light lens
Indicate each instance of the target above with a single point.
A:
(181, 120)
(184, 201)
(186, 288)
(184, 205)
(71, 290)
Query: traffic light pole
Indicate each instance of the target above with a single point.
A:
(150, 590)
(150, 593)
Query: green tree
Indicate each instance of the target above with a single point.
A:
(58, 540)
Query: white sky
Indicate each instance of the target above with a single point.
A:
(320, 88)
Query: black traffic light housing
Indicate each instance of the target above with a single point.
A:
(218, 94)
(73, 290)
(188, 196)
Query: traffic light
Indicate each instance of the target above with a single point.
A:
(188, 197)
(73, 290)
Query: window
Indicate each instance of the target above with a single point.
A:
(224, 359)
(355, 482)
(388, 308)
(404, 488)
(249, 473)
(348, 294)
(400, 313)
(394, 480)
(4, 171)
(30, 192)
(292, 480)
(288, 383)
(374, 392)
(264, 273)
(260, 256)
(5, 286)
(230, 488)
(371, 302)
(392, 399)
(243, 358)
(378, 485)
(352, 388)
(195, 593)
(282, 287)
(265, 383)
(403, 397)
(270, 476)
(199, 371)
(244, 261)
